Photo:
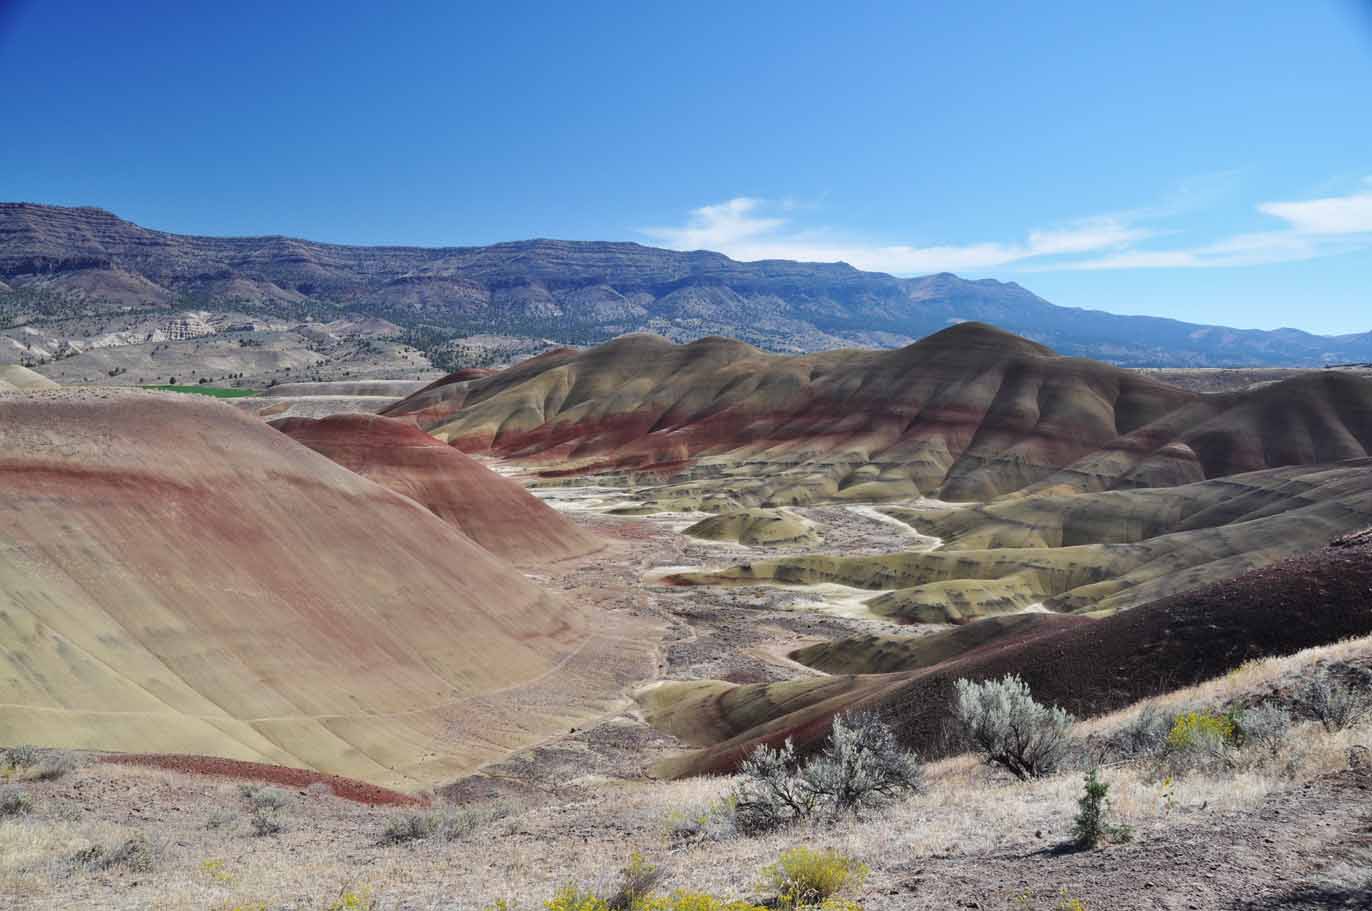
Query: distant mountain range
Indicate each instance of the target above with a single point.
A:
(58, 262)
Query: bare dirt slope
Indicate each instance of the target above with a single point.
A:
(179, 577)
(495, 512)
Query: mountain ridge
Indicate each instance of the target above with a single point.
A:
(585, 291)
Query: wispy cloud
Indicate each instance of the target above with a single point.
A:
(749, 228)
(1314, 228)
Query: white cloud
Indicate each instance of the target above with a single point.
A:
(1330, 215)
(749, 229)
(740, 229)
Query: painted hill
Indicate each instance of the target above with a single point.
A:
(577, 292)
(1091, 552)
(495, 512)
(179, 577)
(1088, 668)
(970, 413)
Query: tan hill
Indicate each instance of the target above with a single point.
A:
(14, 378)
(1088, 668)
(495, 512)
(179, 577)
(755, 527)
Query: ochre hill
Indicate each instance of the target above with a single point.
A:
(179, 577)
(1088, 668)
(493, 511)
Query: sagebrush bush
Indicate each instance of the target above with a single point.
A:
(717, 821)
(861, 766)
(1146, 734)
(133, 854)
(21, 757)
(1334, 703)
(803, 877)
(220, 819)
(1265, 726)
(269, 798)
(449, 825)
(405, 827)
(14, 802)
(265, 821)
(1010, 728)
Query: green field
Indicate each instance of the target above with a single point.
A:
(219, 392)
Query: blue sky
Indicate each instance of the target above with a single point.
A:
(1211, 162)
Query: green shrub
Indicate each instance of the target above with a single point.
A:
(636, 883)
(803, 877)
(1010, 729)
(1090, 827)
(14, 802)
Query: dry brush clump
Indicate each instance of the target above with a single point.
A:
(862, 766)
(28, 763)
(448, 825)
(1337, 703)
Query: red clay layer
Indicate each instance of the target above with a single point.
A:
(346, 788)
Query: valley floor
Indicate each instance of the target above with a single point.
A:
(1289, 832)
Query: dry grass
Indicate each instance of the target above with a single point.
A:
(331, 845)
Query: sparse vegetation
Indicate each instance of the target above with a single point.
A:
(450, 825)
(1089, 827)
(269, 798)
(28, 763)
(1012, 730)
(133, 854)
(265, 821)
(637, 881)
(1265, 726)
(861, 766)
(14, 802)
(1333, 702)
(715, 821)
(803, 877)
